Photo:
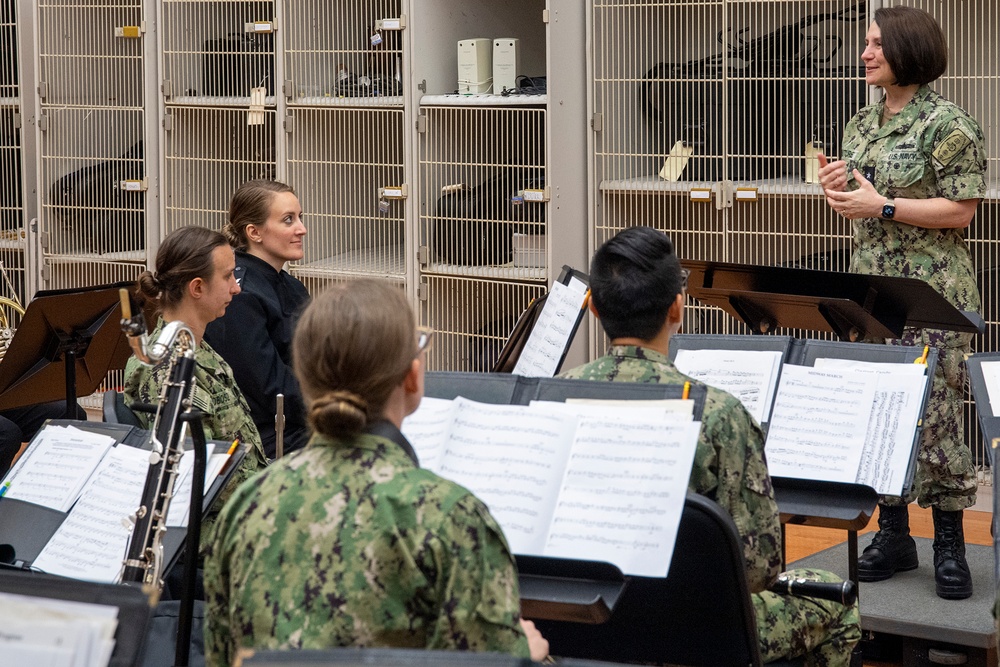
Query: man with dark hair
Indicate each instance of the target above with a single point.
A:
(637, 292)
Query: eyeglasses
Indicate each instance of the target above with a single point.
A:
(684, 279)
(424, 337)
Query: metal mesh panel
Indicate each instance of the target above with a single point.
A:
(9, 89)
(216, 52)
(208, 154)
(330, 57)
(340, 160)
(973, 82)
(90, 52)
(11, 204)
(472, 319)
(745, 85)
(477, 169)
(91, 161)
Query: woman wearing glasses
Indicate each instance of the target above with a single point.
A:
(348, 542)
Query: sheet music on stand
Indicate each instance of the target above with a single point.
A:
(80, 534)
(835, 412)
(541, 338)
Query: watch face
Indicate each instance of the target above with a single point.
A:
(888, 210)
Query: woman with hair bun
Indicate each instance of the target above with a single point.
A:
(348, 542)
(193, 283)
(255, 335)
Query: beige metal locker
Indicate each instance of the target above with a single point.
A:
(13, 236)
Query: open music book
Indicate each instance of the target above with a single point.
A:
(56, 633)
(840, 420)
(567, 481)
(99, 487)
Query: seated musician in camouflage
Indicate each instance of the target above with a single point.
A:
(637, 290)
(194, 283)
(348, 542)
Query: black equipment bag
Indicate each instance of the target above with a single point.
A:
(91, 204)
(236, 63)
(475, 226)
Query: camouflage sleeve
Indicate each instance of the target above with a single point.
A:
(480, 601)
(217, 633)
(958, 155)
(745, 491)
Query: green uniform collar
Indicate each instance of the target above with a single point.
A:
(375, 436)
(898, 124)
(638, 352)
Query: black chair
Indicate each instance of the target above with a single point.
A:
(700, 614)
(115, 411)
(394, 657)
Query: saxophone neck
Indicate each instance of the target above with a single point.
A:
(171, 334)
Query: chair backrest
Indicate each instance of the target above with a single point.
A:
(700, 614)
(395, 657)
(115, 411)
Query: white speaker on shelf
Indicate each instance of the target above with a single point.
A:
(506, 63)
(475, 65)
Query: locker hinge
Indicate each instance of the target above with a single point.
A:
(43, 122)
(168, 122)
(422, 86)
(724, 194)
(421, 123)
(289, 123)
(17, 120)
(46, 273)
(131, 31)
(545, 16)
(422, 291)
(43, 89)
(423, 255)
(43, 241)
(167, 88)
(286, 89)
(597, 122)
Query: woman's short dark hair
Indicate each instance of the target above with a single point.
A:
(353, 346)
(250, 205)
(184, 255)
(913, 44)
(634, 279)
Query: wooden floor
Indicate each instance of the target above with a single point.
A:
(802, 541)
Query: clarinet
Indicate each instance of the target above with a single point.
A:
(144, 558)
(844, 592)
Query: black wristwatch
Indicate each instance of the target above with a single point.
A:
(889, 209)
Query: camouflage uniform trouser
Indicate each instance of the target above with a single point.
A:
(945, 475)
(821, 631)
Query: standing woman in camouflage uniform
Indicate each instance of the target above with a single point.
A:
(348, 542)
(194, 283)
(911, 177)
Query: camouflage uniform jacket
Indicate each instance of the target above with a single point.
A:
(729, 465)
(349, 543)
(932, 148)
(226, 415)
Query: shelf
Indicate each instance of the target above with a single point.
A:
(331, 101)
(503, 272)
(483, 100)
(384, 262)
(216, 101)
(787, 186)
(126, 256)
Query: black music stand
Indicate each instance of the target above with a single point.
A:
(852, 305)
(64, 347)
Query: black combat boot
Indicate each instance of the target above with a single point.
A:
(892, 549)
(951, 571)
